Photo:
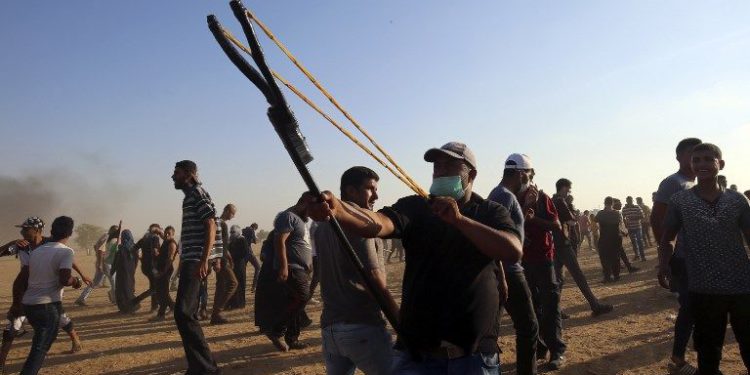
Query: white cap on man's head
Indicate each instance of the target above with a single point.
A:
(518, 161)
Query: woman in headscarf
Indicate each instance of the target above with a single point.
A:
(124, 267)
(239, 248)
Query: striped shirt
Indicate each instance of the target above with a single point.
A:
(196, 208)
(633, 216)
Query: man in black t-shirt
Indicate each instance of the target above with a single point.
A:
(452, 241)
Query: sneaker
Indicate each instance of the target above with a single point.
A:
(556, 362)
(601, 309)
(280, 345)
(297, 345)
(20, 333)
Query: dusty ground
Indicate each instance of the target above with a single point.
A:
(635, 339)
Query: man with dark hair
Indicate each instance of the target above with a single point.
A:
(226, 280)
(610, 240)
(584, 224)
(292, 264)
(49, 271)
(683, 179)
(449, 312)
(633, 216)
(200, 244)
(162, 272)
(353, 329)
(149, 245)
(538, 265)
(564, 254)
(645, 222)
(515, 181)
(712, 220)
(617, 206)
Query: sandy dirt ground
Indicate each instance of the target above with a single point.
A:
(634, 339)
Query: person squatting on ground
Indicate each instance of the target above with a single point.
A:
(519, 304)
(352, 325)
(199, 243)
(163, 269)
(564, 252)
(292, 265)
(449, 312)
(711, 220)
(683, 179)
(48, 270)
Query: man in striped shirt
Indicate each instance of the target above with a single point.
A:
(200, 244)
(633, 216)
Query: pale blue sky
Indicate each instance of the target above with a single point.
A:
(599, 92)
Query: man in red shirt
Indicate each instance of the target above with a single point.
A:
(538, 253)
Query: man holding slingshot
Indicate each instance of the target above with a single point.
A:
(452, 242)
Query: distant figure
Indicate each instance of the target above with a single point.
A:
(584, 224)
(733, 187)
(163, 269)
(594, 228)
(723, 182)
(633, 216)
(747, 194)
(646, 222)
(617, 206)
(226, 280)
(251, 234)
(397, 249)
(103, 269)
(123, 268)
(610, 241)
(149, 245)
(239, 248)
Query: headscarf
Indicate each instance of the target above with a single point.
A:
(127, 243)
(235, 232)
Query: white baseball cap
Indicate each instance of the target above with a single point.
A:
(518, 161)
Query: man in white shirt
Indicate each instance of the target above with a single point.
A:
(49, 268)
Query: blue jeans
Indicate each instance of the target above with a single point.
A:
(636, 238)
(475, 364)
(45, 319)
(363, 346)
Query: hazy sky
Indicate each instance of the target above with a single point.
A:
(98, 99)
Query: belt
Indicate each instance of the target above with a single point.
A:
(446, 350)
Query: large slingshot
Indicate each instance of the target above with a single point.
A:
(286, 126)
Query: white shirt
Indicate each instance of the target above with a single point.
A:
(44, 264)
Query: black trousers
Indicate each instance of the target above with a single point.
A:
(162, 292)
(197, 353)
(315, 276)
(545, 293)
(289, 320)
(147, 269)
(565, 256)
(711, 314)
(609, 256)
(521, 310)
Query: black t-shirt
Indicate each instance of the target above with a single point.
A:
(163, 258)
(449, 287)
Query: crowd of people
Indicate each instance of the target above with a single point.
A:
(507, 252)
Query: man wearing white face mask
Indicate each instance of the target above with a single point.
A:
(449, 311)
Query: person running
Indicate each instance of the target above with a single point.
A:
(163, 269)
(449, 311)
(610, 240)
(519, 305)
(226, 280)
(646, 222)
(538, 265)
(31, 233)
(683, 179)
(292, 265)
(103, 270)
(564, 252)
(711, 220)
(633, 216)
(49, 271)
(353, 329)
(199, 244)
